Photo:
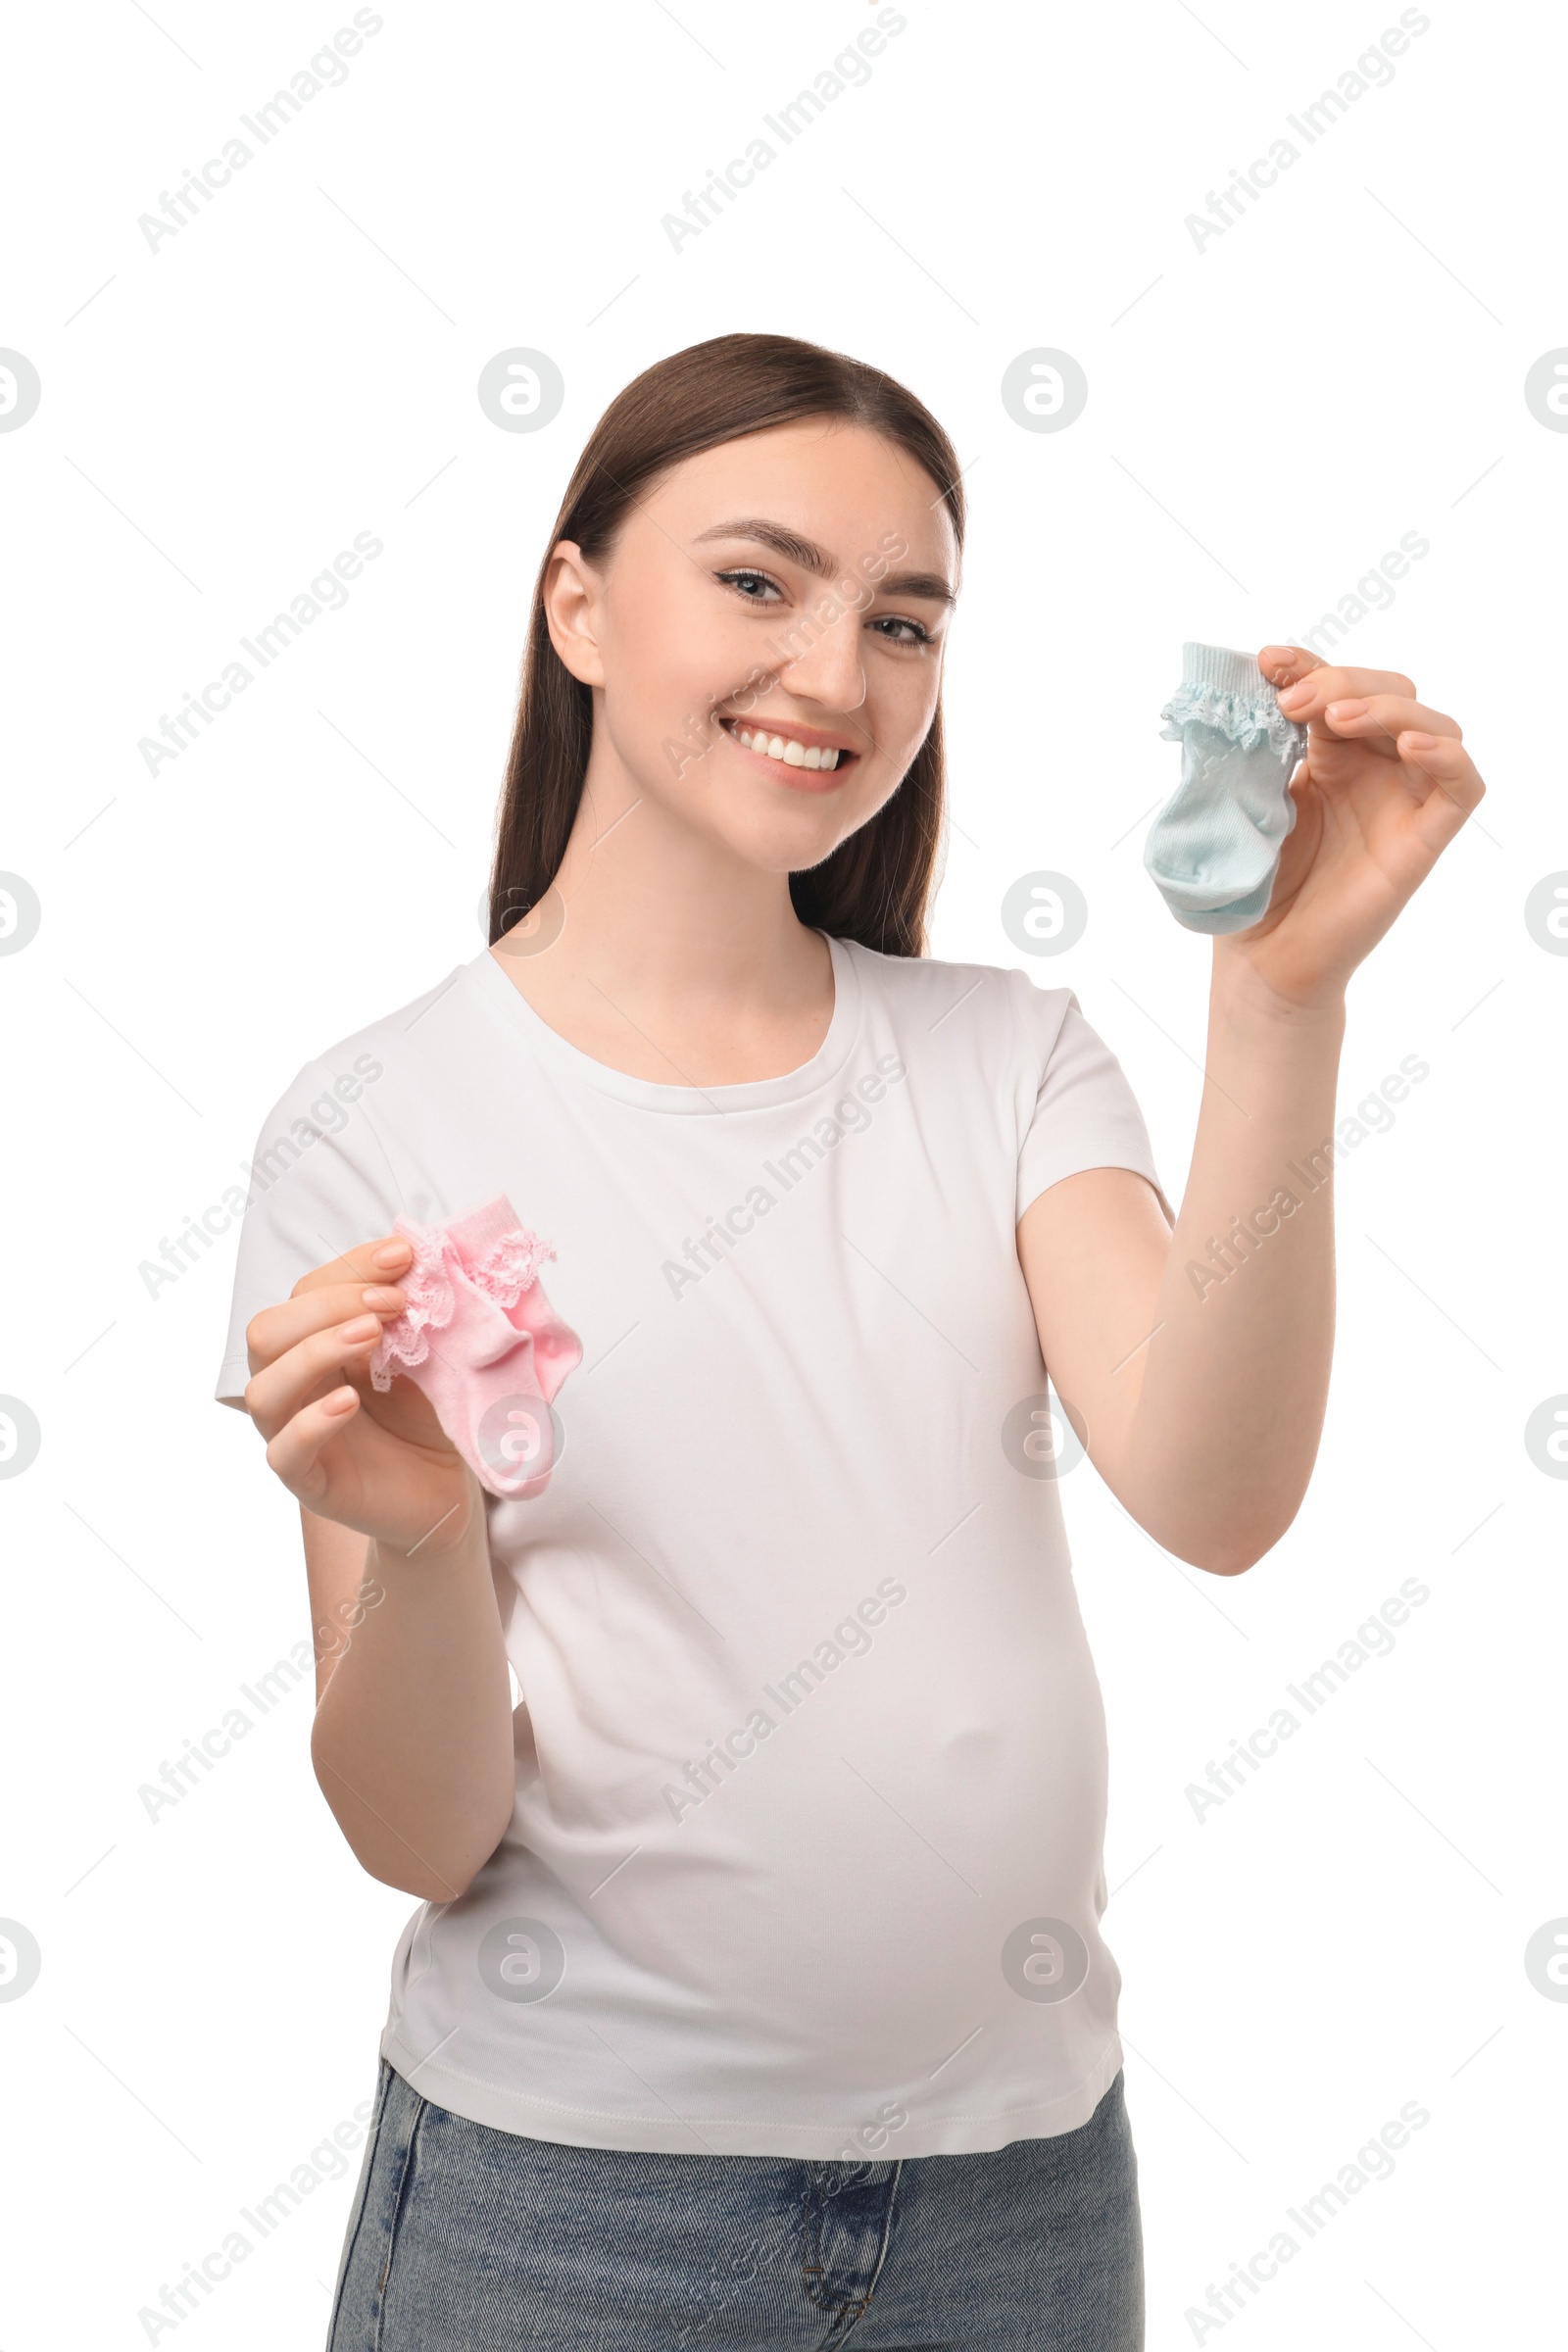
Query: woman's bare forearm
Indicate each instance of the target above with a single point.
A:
(1234, 1379)
(1198, 1361)
(413, 1737)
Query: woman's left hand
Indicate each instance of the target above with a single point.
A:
(1384, 786)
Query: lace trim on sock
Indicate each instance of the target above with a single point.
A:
(513, 1267)
(504, 1273)
(429, 1306)
(1245, 720)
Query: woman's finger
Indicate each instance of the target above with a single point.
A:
(1284, 664)
(271, 1333)
(383, 1260)
(1387, 716)
(294, 1452)
(279, 1390)
(1445, 779)
(1291, 669)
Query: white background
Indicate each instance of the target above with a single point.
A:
(1266, 416)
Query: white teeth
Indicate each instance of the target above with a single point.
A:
(793, 752)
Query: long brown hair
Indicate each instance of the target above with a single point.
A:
(875, 886)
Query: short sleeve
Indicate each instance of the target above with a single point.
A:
(322, 1182)
(1085, 1113)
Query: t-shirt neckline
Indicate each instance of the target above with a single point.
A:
(758, 1093)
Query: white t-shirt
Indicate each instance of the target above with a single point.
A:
(806, 1856)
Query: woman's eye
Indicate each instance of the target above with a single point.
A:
(896, 621)
(755, 586)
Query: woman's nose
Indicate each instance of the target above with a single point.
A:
(828, 671)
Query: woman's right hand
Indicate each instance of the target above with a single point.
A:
(378, 1463)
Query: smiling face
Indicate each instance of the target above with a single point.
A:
(764, 641)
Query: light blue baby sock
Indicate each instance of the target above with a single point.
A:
(1214, 848)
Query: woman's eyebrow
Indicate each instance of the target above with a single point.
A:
(816, 559)
(929, 584)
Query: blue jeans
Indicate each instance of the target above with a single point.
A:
(467, 2239)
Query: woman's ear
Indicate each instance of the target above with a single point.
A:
(572, 589)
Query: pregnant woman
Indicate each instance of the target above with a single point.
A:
(709, 1664)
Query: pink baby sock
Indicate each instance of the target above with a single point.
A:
(482, 1340)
